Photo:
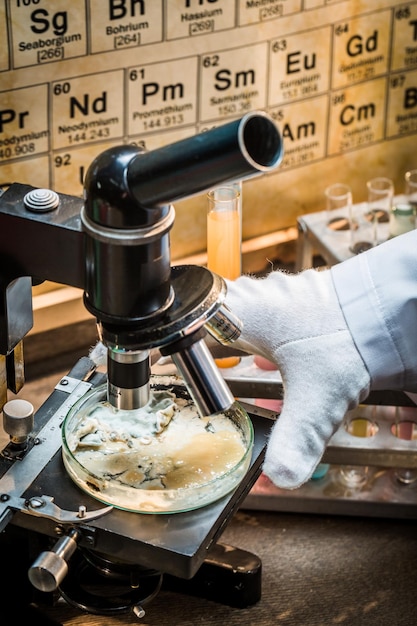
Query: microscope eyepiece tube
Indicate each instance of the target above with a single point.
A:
(237, 150)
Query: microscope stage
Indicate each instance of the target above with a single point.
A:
(175, 544)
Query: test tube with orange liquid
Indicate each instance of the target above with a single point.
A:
(224, 239)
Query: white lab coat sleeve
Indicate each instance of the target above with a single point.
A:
(377, 292)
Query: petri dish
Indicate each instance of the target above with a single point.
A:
(162, 458)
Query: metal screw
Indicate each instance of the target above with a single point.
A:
(35, 503)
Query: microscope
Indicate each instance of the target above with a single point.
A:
(114, 245)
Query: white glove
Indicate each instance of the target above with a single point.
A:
(296, 321)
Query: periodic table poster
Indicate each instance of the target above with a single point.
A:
(339, 77)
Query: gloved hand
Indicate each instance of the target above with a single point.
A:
(296, 321)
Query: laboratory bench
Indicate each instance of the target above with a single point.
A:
(317, 569)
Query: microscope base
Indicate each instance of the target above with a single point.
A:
(228, 576)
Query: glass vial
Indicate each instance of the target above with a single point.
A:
(402, 219)
(224, 239)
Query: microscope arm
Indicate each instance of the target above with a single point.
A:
(35, 245)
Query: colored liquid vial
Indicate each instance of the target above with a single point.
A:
(224, 240)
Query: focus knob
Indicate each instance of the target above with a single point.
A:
(51, 567)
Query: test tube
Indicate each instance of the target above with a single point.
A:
(224, 239)
(410, 178)
(380, 199)
(338, 207)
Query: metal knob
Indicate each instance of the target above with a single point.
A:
(51, 567)
(18, 420)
